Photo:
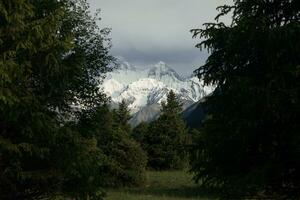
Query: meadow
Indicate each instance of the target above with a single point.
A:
(163, 185)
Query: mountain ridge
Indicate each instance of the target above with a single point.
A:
(145, 89)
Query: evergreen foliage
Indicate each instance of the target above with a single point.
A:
(52, 58)
(140, 132)
(164, 138)
(122, 116)
(249, 142)
(125, 161)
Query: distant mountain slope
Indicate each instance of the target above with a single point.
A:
(146, 114)
(144, 90)
(194, 115)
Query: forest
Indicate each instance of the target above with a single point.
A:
(61, 139)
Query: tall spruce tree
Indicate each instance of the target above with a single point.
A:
(130, 158)
(165, 139)
(249, 143)
(52, 54)
(122, 117)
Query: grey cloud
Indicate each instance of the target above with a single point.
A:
(147, 31)
(176, 55)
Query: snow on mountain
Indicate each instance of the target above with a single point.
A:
(137, 93)
(150, 86)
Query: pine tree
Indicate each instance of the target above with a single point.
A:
(249, 142)
(122, 116)
(173, 107)
(130, 158)
(165, 139)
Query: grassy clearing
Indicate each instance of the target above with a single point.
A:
(166, 185)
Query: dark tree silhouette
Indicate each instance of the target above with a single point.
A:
(250, 140)
(165, 137)
(52, 58)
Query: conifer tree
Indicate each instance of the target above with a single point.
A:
(52, 54)
(172, 107)
(249, 142)
(125, 161)
(140, 132)
(130, 158)
(122, 116)
(165, 139)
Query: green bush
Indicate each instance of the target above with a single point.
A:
(125, 160)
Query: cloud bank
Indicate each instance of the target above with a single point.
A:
(147, 31)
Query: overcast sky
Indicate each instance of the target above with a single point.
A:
(145, 32)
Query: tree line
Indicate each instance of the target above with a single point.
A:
(57, 136)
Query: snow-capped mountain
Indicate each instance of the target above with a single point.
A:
(148, 87)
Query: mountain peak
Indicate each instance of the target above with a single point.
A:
(160, 70)
(142, 88)
(161, 64)
(162, 67)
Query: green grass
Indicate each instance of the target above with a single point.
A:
(166, 185)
